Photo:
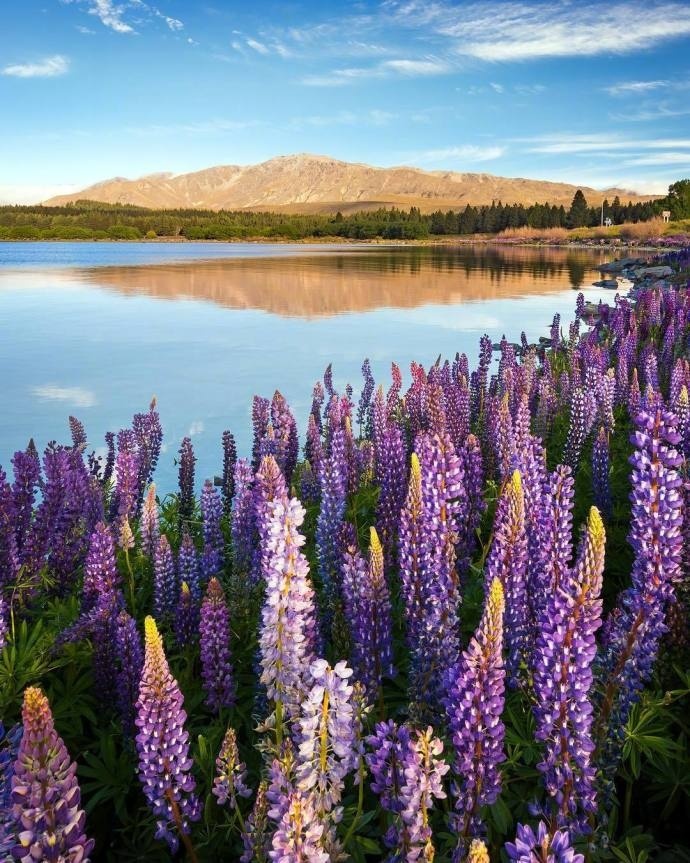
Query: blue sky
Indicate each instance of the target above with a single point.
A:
(596, 93)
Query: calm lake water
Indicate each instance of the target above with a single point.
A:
(95, 329)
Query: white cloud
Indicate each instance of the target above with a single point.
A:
(497, 88)
(635, 88)
(196, 428)
(565, 143)
(77, 397)
(661, 159)
(173, 23)
(257, 46)
(518, 30)
(49, 67)
(460, 154)
(406, 67)
(110, 15)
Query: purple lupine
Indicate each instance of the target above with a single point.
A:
(229, 461)
(391, 478)
(435, 581)
(27, 475)
(78, 432)
(299, 836)
(411, 555)
(365, 397)
(269, 486)
(368, 613)
(474, 704)
(127, 479)
(473, 472)
(4, 621)
(254, 836)
(407, 774)
(163, 746)
(211, 513)
(562, 679)
(285, 430)
(48, 822)
(601, 489)
(110, 458)
(634, 632)
(231, 775)
(214, 648)
(9, 555)
(149, 436)
(129, 656)
(333, 482)
(541, 847)
(164, 581)
(260, 418)
(288, 617)
(326, 753)
(507, 561)
(149, 530)
(188, 566)
(560, 499)
(481, 377)
(577, 431)
(185, 617)
(186, 478)
(9, 746)
(100, 568)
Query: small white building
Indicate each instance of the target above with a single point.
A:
(666, 215)
(608, 221)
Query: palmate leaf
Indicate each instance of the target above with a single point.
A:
(106, 776)
(24, 661)
(647, 736)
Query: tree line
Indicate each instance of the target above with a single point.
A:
(91, 220)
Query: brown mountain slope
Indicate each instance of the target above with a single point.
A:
(306, 183)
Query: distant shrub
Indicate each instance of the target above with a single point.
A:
(151, 235)
(124, 232)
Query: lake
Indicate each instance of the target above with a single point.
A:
(96, 329)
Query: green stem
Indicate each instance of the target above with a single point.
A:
(131, 580)
(177, 818)
(279, 724)
(360, 805)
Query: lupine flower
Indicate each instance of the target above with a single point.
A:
(564, 653)
(130, 659)
(186, 478)
(188, 566)
(478, 852)
(474, 704)
(391, 478)
(437, 637)
(110, 458)
(333, 481)
(507, 561)
(407, 774)
(4, 621)
(185, 617)
(127, 482)
(260, 418)
(632, 638)
(211, 512)
(542, 847)
(255, 838)
(100, 569)
(148, 525)
(229, 461)
(231, 776)
(9, 556)
(214, 646)
(300, 833)
(27, 473)
(285, 430)
(78, 432)
(601, 489)
(242, 521)
(288, 624)
(149, 436)
(269, 485)
(163, 745)
(9, 745)
(45, 793)
(367, 392)
(164, 581)
(473, 472)
(577, 431)
(326, 732)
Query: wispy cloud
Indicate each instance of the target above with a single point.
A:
(78, 397)
(216, 126)
(257, 46)
(526, 31)
(49, 67)
(408, 67)
(110, 15)
(657, 111)
(635, 88)
(565, 143)
(121, 17)
(661, 159)
(460, 154)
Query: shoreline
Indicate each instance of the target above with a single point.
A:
(615, 243)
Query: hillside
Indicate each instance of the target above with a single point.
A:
(311, 184)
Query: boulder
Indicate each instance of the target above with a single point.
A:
(653, 272)
(605, 283)
(621, 264)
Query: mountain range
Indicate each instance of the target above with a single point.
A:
(306, 183)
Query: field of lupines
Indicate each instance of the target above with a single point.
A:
(452, 626)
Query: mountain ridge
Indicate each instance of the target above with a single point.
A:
(304, 183)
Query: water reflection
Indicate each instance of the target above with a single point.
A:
(316, 286)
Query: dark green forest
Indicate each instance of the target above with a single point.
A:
(90, 220)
